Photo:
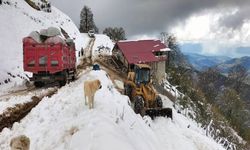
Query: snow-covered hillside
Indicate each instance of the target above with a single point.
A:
(18, 19)
(63, 122)
(103, 45)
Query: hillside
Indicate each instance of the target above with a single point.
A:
(202, 62)
(227, 65)
(18, 19)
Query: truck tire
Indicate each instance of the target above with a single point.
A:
(158, 102)
(65, 78)
(138, 105)
(74, 76)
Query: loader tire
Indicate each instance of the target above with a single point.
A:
(38, 84)
(128, 91)
(139, 106)
(158, 102)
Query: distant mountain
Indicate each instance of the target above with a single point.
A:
(201, 62)
(177, 58)
(227, 65)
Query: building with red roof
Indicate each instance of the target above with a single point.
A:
(151, 52)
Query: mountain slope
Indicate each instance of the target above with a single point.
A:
(201, 62)
(18, 19)
(227, 65)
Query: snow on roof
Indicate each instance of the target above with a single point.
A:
(165, 49)
(141, 51)
(35, 36)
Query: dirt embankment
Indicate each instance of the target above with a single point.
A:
(19, 111)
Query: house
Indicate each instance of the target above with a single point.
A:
(151, 52)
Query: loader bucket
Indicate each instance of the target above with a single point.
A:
(157, 112)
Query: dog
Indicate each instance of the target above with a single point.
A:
(21, 142)
(90, 87)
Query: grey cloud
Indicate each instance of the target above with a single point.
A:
(235, 21)
(146, 16)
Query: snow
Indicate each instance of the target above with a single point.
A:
(20, 98)
(18, 20)
(172, 89)
(64, 122)
(119, 84)
(103, 45)
(165, 50)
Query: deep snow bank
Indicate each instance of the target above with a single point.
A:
(18, 19)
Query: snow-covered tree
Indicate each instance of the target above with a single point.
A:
(87, 20)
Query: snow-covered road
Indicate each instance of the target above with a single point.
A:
(63, 122)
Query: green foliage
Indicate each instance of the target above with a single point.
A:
(208, 83)
(234, 110)
(239, 74)
(115, 33)
(197, 99)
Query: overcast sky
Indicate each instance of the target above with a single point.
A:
(204, 21)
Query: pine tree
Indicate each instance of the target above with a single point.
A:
(87, 20)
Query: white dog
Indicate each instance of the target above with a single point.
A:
(90, 87)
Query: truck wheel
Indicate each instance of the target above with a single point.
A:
(38, 84)
(65, 79)
(138, 106)
(158, 102)
(62, 83)
(128, 91)
(74, 76)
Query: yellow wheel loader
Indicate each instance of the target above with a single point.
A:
(144, 98)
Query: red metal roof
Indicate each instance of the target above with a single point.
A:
(141, 51)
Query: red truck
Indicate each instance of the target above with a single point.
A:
(50, 59)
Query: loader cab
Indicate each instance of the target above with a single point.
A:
(142, 74)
